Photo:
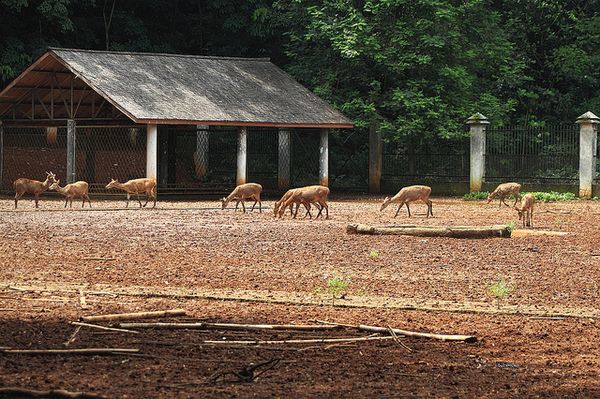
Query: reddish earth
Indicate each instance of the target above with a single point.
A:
(185, 246)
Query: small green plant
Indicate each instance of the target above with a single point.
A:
(374, 254)
(553, 196)
(499, 289)
(336, 287)
(511, 226)
(478, 195)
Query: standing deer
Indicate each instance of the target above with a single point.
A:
(137, 187)
(526, 209)
(410, 194)
(35, 187)
(243, 192)
(77, 190)
(503, 190)
(306, 196)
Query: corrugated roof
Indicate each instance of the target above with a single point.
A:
(168, 88)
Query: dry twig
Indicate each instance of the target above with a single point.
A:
(17, 392)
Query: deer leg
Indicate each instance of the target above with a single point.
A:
(17, 198)
(297, 208)
(430, 207)
(71, 203)
(66, 202)
(398, 211)
(87, 197)
(408, 209)
(259, 205)
(137, 195)
(147, 198)
(243, 206)
(37, 198)
(128, 198)
(307, 206)
(253, 205)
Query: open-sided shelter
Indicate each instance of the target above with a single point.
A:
(83, 113)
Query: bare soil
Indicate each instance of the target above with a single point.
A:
(195, 248)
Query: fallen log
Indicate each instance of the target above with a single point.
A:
(137, 315)
(431, 231)
(406, 333)
(230, 326)
(17, 392)
(81, 351)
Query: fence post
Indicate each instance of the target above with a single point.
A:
(324, 158)
(284, 159)
(375, 159)
(587, 152)
(201, 154)
(477, 124)
(71, 151)
(242, 146)
(151, 151)
(1, 154)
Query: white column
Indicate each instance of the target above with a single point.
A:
(324, 158)
(241, 155)
(201, 153)
(151, 151)
(477, 124)
(71, 151)
(587, 153)
(283, 170)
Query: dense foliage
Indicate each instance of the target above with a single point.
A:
(413, 67)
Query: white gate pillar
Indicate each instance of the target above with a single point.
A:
(588, 136)
(240, 177)
(151, 151)
(324, 158)
(477, 123)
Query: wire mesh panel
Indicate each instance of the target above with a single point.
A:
(105, 153)
(263, 147)
(432, 159)
(348, 160)
(30, 152)
(305, 157)
(534, 154)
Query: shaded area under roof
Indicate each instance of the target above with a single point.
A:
(183, 89)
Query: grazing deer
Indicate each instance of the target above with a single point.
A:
(285, 197)
(503, 190)
(526, 209)
(137, 187)
(35, 187)
(410, 194)
(306, 196)
(73, 191)
(243, 192)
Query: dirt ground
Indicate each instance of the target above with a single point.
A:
(226, 266)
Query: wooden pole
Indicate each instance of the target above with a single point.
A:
(299, 341)
(284, 160)
(229, 326)
(241, 155)
(375, 159)
(71, 151)
(80, 351)
(151, 151)
(136, 315)
(324, 158)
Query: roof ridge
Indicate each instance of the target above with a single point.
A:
(263, 59)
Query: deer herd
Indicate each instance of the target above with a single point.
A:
(307, 197)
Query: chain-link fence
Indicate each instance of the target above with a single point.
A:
(533, 154)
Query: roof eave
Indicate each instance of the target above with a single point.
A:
(246, 123)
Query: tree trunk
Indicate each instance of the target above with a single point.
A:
(431, 231)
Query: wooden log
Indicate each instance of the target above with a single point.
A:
(230, 326)
(79, 324)
(18, 392)
(431, 231)
(80, 351)
(299, 341)
(406, 333)
(137, 315)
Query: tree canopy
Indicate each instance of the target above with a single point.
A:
(413, 67)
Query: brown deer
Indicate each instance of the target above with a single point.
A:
(77, 190)
(35, 187)
(284, 198)
(410, 194)
(503, 190)
(526, 209)
(306, 196)
(137, 187)
(242, 192)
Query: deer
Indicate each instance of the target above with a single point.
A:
(35, 187)
(306, 196)
(73, 191)
(137, 187)
(503, 190)
(285, 197)
(526, 209)
(243, 192)
(410, 194)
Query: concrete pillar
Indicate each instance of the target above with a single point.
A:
(151, 151)
(375, 159)
(201, 153)
(324, 158)
(284, 160)
(242, 152)
(1, 154)
(588, 134)
(477, 123)
(71, 151)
